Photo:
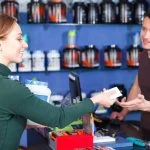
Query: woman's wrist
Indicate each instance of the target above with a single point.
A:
(96, 99)
(93, 100)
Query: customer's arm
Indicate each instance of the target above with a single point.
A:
(135, 90)
(139, 103)
(136, 101)
(24, 103)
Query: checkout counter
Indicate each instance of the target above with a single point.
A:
(121, 130)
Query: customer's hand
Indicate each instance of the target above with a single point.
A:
(139, 103)
(103, 99)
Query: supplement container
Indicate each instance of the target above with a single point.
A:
(56, 11)
(108, 9)
(38, 61)
(11, 8)
(126, 11)
(53, 60)
(113, 56)
(90, 57)
(92, 13)
(36, 11)
(133, 55)
(79, 12)
(71, 54)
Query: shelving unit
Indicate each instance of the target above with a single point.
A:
(54, 36)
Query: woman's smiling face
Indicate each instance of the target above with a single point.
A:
(13, 46)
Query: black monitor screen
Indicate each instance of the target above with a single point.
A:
(75, 89)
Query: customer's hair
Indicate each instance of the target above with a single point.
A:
(6, 24)
(147, 14)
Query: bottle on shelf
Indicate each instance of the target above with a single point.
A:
(71, 54)
(38, 60)
(36, 12)
(141, 6)
(108, 11)
(126, 12)
(90, 57)
(79, 12)
(56, 11)
(112, 56)
(133, 55)
(11, 8)
(53, 60)
(134, 52)
(92, 13)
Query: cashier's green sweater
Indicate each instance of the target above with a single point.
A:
(17, 104)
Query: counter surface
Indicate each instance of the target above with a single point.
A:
(124, 129)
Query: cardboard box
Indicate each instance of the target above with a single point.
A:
(72, 142)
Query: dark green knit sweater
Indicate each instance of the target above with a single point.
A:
(17, 104)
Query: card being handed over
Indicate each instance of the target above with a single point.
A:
(113, 93)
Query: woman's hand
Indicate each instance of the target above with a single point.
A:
(103, 99)
(139, 103)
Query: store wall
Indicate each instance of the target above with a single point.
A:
(52, 36)
(47, 37)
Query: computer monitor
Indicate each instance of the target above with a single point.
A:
(75, 92)
(75, 89)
